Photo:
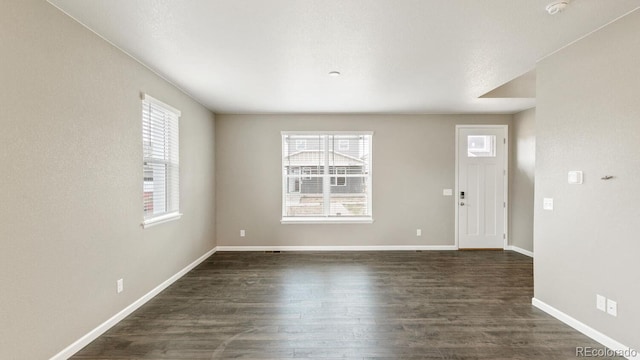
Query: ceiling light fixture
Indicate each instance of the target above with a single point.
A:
(334, 73)
(556, 7)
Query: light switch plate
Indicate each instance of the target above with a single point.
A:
(601, 303)
(418, 232)
(575, 177)
(447, 192)
(547, 203)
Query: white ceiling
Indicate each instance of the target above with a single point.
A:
(395, 56)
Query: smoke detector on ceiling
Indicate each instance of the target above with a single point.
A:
(556, 6)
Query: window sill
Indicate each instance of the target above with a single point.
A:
(160, 219)
(326, 220)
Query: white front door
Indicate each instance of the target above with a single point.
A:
(481, 187)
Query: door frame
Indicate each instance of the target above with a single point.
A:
(506, 179)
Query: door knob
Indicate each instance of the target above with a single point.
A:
(461, 203)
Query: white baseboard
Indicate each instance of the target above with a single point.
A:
(519, 250)
(102, 328)
(338, 248)
(581, 327)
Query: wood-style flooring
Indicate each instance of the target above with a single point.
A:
(345, 305)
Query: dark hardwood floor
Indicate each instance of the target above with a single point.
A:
(353, 305)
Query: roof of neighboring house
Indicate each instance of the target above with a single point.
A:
(316, 158)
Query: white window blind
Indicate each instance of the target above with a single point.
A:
(329, 180)
(161, 168)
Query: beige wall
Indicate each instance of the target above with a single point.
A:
(413, 160)
(588, 118)
(523, 140)
(71, 182)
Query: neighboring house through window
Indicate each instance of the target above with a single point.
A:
(328, 179)
(306, 172)
(338, 180)
(161, 174)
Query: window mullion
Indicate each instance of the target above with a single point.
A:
(326, 187)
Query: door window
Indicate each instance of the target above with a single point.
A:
(481, 146)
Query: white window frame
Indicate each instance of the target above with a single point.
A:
(326, 219)
(170, 158)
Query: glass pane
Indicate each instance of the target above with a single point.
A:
(304, 163)
(154, 188)
(304, 197)
(302, 151)
(481, 146)
(349, 196)
(345, 149)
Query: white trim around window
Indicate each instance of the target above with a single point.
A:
(160, 162)
(325, 220)
(320, 199)
(147, 223)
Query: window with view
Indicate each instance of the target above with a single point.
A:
(327, 180)
(160, 162)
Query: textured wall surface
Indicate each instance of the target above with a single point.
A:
(413, 160)
(588, 119)
(522, 179)
(71, 182)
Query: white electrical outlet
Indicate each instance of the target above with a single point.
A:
(120, 286)
(601, 303)
(242, 233)
(612, 307)
(447, 192)
(419, 232)
(575, 177)
(547, 203)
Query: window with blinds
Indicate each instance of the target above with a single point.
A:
(328, 179)
(161, 174)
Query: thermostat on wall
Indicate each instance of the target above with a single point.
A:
(575, 177)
